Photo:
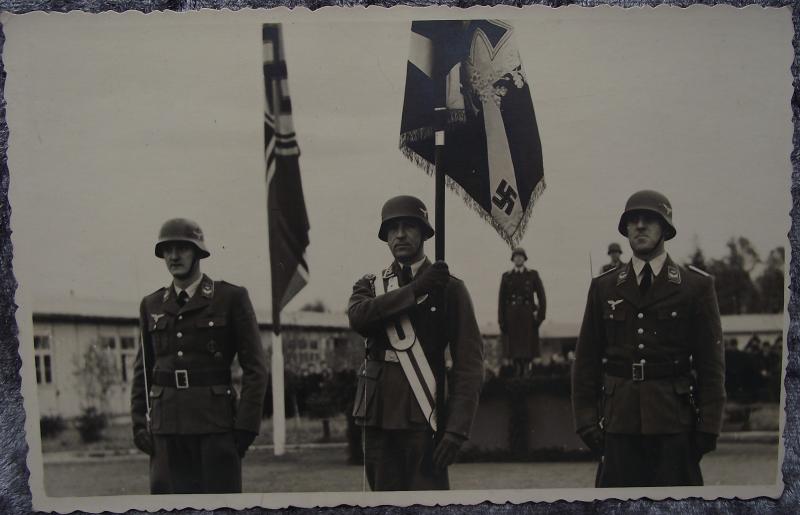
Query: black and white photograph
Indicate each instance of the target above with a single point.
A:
(406, 256)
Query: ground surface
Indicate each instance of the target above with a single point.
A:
(324, 470)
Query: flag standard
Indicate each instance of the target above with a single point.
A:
(286, 210)
(465, 79)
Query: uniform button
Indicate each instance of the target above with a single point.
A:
(674, 314)
(179, 335)
(180, 317)
(433, 308)
(640, 315)
(640, 331)
(210, 323)
(180, 353)
(228, 392)
(642, 361)
(641, 346)
(605, 360)
(691, 388)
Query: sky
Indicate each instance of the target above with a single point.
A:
(119, 122)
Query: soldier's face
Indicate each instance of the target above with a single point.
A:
(614, 256)
(518, 260)
(644, 232)
(404, 237)
(179, 258)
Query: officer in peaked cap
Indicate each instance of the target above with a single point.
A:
(614, 252)
(412, 431)
(185, 411)
(648, 378)
(521, 310)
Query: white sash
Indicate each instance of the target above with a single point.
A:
(411, 356)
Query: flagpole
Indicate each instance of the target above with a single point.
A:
(439, 195)
(440, 112)
(278, 408)
(276, 363)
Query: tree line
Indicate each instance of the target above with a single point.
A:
(745, 283)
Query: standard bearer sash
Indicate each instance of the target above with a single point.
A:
(410, 355)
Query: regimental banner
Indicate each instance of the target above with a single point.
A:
(288, 220)
(493, 154)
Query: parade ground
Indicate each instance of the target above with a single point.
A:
(323, 469)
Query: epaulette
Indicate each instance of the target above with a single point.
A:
(697, 270)
(157, 292)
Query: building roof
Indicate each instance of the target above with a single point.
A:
(753, 323)
(95, 310)
(75, 309)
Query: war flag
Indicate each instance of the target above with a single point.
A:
(493, 154)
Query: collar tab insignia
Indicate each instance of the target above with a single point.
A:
(673, 274)
(623, 275)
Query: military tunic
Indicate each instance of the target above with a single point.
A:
(521, 309)
(194, 408)
(650, 370)
(399, 441)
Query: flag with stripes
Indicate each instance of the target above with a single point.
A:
(286, 209)
(492, 154)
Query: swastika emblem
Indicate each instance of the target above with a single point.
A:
(505, 197)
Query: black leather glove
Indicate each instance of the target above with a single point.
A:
(446, 451)
(704, 443)
(143, 440)
(433, 278)
(593, 438)
(243, 440)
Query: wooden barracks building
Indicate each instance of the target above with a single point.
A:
(313, 342)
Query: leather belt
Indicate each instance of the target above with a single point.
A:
(384, 355)
(644, 371)
(183, 379)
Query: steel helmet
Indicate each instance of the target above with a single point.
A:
(405, 206)
(654, 202)
(614, 247)
(519, 251)
(181, 229)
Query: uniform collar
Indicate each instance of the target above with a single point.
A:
(657, 263)
(519, 269)
(206, 286)
(191, 289)
(414, 266)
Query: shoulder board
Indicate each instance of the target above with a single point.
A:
(156, 293)
(608, 271)
(697, 270)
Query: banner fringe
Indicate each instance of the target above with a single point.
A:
(429, 168)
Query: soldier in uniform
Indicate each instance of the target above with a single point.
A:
(191, 425)
(412, 432)
(614, 252)
(521, 310)
(648, 378)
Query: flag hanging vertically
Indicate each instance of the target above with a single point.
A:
(492, 155)
(288, 221)
(286, 213)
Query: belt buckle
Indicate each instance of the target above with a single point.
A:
(181, 379)
(390, 356)
(638, 372)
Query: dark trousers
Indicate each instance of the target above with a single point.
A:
(401, 460)
(649, 460)
(195, 464)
